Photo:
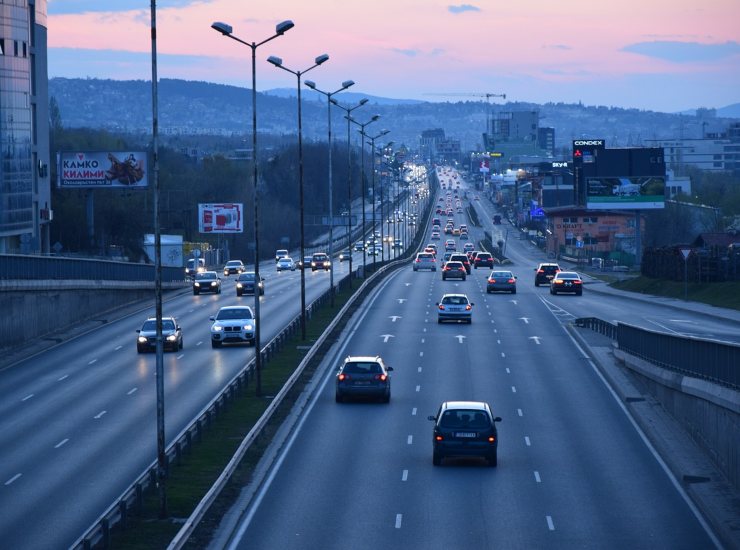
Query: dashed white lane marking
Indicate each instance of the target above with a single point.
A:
(399, 518)
(526, 440)
(99, 415)
(198, 344)
(117, 348)
(550, 524)
(421, 354)
(181, 356)
(12, 479)
(508, 371)
(63, 378)
(419, 369)
(519, 411)
(410, 439)
(413, 411)
(405, 475)
(537, 477)
(424, 330)
(418, 388)
(503, 354)
(422, 340)
(513, 389)
(498, 341)
(93, 361)
(62, 442)
(29, 396)
(132, 391)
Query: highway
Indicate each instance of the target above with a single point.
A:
(573, 471)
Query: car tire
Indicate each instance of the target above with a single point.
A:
(338, 398)
(387, 398)
(238, 293)
(553, 292)
(436, 459)
(195, 293)
(536, 284)
(488, 291)
(139, 350)
(463, 278)
(182, 344)
(513, 291)
(439, 321)
(579, 293)
(470, 321)
(434, 269)
(215, 344)
(443, 277)
(493, 460)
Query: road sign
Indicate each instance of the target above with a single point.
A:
(685, 253)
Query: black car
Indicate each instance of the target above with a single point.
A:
(463, 258)
(245, 284)
(463, 429)
(361, 376)
(208, 281)
(453, 270)
(483, 259)
(320, 260)
(566, 281)
(544, 273)
(171, 335)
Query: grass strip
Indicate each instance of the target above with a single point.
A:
(726, 294)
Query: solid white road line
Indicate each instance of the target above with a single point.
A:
(537, 477)
(550, 524)
(12, 479)
(27, 397)
(399, 518)
(410, 440)
(526, 440)
(405, 475)
(62, 442)
(99, 415)
(132, 391)
(63, 378)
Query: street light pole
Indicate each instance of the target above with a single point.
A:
(362, 182)
(372, 151)
(346, 84)
(349, 110)
(279, 64)
(227, 30)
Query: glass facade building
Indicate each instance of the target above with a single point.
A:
(25, 192)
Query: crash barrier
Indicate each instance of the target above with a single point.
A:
(23, 267)
(598, 325)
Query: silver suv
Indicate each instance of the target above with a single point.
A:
(425, 260)
(233, 324)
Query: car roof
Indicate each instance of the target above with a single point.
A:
(362, 358)
(454, 294)
(479, 405)
(203, 273)
(234, 262)
(234, 307)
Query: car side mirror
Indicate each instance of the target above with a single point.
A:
(137, 331)
(211, 318)
(436, 303)
(389, 369)
(497, 419)
(472, 304)
(432, 418)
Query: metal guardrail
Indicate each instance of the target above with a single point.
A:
(25, 267)
(711, 360)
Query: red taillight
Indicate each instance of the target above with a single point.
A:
(491, 281)
(441, 307)
(418, 261)
(541, 271)
(511, 281)
(491, 439)
(438, 438)
(576, 282)
(342, 377)
(381, 377)
(468, 307)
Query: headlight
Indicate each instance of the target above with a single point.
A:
(142, 339)
(196, 284)
(171, 338)
(214, 283)
(248, 327)
(217, 328)
(313, 264)
(327, 262)
(238, 285)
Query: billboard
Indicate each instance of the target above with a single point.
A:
(220, 218)
(102, 169)
(633, 192)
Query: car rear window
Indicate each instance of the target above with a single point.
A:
(455, 300)
(550, 268)
(464, 418)
(483, 256)
(425, 256)
(362, 368)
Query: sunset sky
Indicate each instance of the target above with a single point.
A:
(663, 55)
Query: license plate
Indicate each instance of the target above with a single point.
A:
(362, 383)
(465, 434)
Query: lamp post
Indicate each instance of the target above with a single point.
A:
(226, 30)
(372, 149)
(349, 110)
(346, 84)
(362, 182)
(279, 64)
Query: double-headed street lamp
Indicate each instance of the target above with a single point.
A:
(279, 64)
(349, 110)
(226, 30)
(362, 181)
(372, 149)
(346, 84)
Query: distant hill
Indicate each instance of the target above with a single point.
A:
(345, 97)
(203, 108)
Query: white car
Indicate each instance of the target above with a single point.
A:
(233, 324)
(285, 263)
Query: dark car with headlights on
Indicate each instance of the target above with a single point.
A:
(171, 335)
(320, 260)
(465, 429)
(245, 284)
(566, 281)
(361, 376)
(453, 270)
(233, 324)
(501, 281)
(208, 281)
(544, 273)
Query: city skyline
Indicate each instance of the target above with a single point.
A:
(659, 55)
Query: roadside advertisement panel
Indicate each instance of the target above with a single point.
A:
(102, 169)
(633, 192)
(220, 218)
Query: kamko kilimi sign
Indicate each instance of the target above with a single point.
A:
(102, 169)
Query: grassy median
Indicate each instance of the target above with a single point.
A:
(715, 294)
(193, 476)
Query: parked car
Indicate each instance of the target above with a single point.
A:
(280, 253)
(285, 263)
(208, 281)
(233, 324)
(245, 284)
(504, 281)
(361, 376)
(566, 281)
(171, 335)
(544, 273)
(465, 429)
(234, 267)
(455, 307)
(453, 270)
(320, 260)
(425, 260)
(483, 259)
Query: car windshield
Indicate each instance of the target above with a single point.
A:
(501, 274)
(464, 418)
(151, 325)
(246, 277)
(362, 368)
(233, 263)
(238, 313)
(455, 300)
(205, 276)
